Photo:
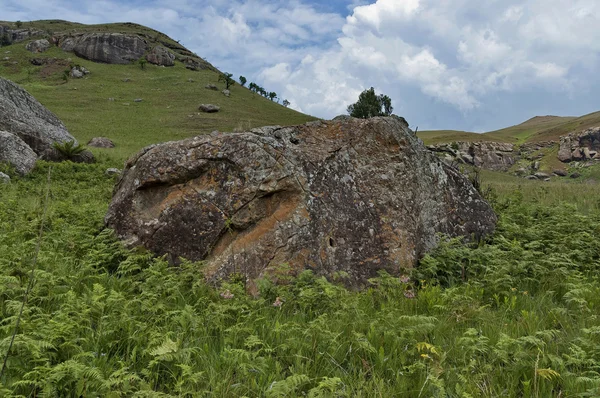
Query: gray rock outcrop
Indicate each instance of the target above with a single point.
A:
(16, 153)
(38, 46)
(18, 35)
(161, 56)
(356, 196)
(109, 48)
(584, 145)
(78, 72)
(497, 156)
(4, 178)
(24, 116)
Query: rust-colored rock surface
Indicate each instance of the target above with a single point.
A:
(354, 195)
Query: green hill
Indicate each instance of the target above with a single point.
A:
(102, 103)
(536, 129)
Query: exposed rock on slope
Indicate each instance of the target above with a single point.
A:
(161, 56)
(580, 146)
(38, 46)
(18, 35)
(488, 155)
(110, 48)
(16, 152)
(355, 196)
(24, 116)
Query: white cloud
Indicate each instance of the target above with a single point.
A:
(438, 60)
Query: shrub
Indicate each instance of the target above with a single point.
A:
(370, 105)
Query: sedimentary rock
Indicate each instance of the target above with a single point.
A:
(356, 196)
(488, 155)
(101, 142)
(24, 116)
(209, 108)
(160, 56)
(16, 152)
(38, 46)
(583, 145)
(110, 48)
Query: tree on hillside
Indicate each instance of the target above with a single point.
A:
(252, 86)
(285, 103)
(243, 81)
(19, 24)
(226, 78)
(370, 104)
(272, 95)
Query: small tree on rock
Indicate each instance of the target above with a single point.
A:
(243, 81)
(370, 104)
(227, 79)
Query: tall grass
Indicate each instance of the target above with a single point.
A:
(515, 316)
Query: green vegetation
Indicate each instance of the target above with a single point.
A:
(370, 104)
(537, 129)
(102, 103)
(227, 79)
(69, 149)
(514, 316)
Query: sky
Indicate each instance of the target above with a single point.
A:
(474, 65)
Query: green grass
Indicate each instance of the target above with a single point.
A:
(514, 316)
(536, 129)
(169, 110)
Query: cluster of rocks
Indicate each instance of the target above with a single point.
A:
(78, 72)
(497, 156)
(29, 131)
(582, 146)
(356, 196)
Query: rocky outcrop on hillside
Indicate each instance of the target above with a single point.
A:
(356, 196)
(159, 55)
(16, 153)
(24, 116)
(38, 46)
(497, 156)
(584, 145)
(110, 48)
(16, 35)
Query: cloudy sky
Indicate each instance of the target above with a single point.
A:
(447, 64)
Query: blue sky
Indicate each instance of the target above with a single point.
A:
(447, 64)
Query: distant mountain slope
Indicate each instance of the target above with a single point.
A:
(536, 129)
(103, 103)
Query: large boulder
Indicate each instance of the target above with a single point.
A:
(24, 116)
(497, 156)
(161, 56)
(38, 46)
(16, 152)
(109, 48)
(584, 145)
(356, 196)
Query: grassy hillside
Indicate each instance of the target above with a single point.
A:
(102, 103)
(536, 129)
(514, 316)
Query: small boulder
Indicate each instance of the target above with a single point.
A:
(38, 46)
(4, 179)
(211, 87)
(15, 152)
(101, 142)
(575, 175)
(112, 171)
(531, 177)
(138, 100)
(78, 72)
(560, 173)
(226, 93)
(541, 175)
(209, 108)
